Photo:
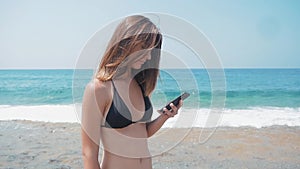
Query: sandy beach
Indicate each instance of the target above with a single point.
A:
(28, 144)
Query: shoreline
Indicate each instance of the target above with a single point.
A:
(30, 144)
(257, 117)
(43, 123)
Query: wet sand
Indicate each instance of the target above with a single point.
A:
(27, 144)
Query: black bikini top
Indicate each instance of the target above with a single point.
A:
(119, 115)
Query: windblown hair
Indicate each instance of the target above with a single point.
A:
(134, 31)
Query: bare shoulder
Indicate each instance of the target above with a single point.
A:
(98, 91)
(98, 87)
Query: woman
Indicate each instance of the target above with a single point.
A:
(116, 108)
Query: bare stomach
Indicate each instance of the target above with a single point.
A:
(126, 147)
(112, 161)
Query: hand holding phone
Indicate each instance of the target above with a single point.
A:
(175, 101)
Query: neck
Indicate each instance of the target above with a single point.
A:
(127, 77)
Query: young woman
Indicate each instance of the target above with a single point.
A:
(116, 107)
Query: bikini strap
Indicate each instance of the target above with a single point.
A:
(113, 83)
(142, 89)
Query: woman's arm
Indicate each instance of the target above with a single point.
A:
(155, 125)
(89, 152)
(93, 105)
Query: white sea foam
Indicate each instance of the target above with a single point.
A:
(255, 117)
(46, 113)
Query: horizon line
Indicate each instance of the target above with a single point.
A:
(161, 68)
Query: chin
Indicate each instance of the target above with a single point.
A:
(137, 66)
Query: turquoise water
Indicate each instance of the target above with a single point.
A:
(245, 88)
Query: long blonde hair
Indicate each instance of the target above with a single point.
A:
(133, 31)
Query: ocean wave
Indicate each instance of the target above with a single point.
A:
(253, 117)
(45, 113)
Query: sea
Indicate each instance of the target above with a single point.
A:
(245, 97)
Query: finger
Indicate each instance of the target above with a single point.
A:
(180, 104)
(168, 112)
(171, 113)
(174, 108)
(160, 111)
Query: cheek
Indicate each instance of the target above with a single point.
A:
(136, 65)
(146, 57)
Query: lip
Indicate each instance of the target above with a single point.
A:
(142, 61)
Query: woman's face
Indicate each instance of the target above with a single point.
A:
(146, 55)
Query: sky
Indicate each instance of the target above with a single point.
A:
(39, 34)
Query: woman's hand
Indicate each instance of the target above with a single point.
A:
(174, 109)
(155, 125)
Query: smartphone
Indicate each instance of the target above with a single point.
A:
(175, 101)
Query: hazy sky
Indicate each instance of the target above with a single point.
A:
(246, 34)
